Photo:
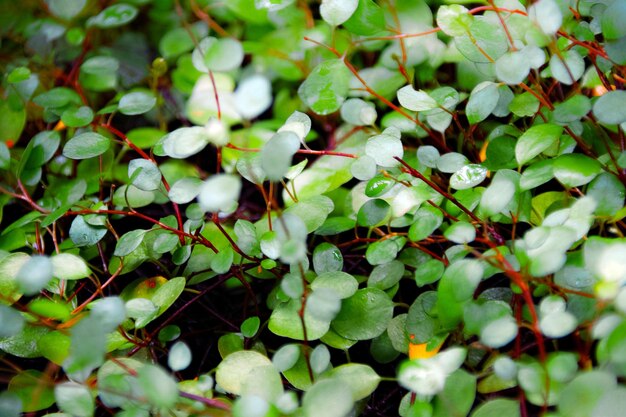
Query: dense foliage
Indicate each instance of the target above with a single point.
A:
(266, 208)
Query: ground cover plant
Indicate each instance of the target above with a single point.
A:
(260, 208)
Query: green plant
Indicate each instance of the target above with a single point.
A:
(280, 207)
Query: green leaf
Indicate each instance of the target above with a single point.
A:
(66, 9)
(236, 370)
(456, 287)
(457, 396)
(250, 326)
(86, 145)
(179, 357)
(384, 148)
(608, 192)
(213, 54)
(320, 359)
(35, 274)
(253, 96)
(414, 100)
(342, 283)
(185, 190)
(451, 162)
(358, 112)
(168, 293)
(12, 321)
(158, 386)
(335, 12)
(581, 396)
(610, 109)
(383, 251)
(286, 322)
(386, 275)
(572, 109)
(220, 193)
(567, 68)
(468, 177)
(461, 232)
(365, 315)
(429, 272)
(454, 20)
(313, 211)
(77, 116)
(547, 15)
(498, 408)
(144, 174)
(32, 388)
(25, 343)
(485, 42)
(361, 379)
(69, 267)
(286, 357)
(524, 105)
(326, 87)
(327, 258)
(11, 405)
(574, 170)
(277, 154)
(425, 221)
(184, 142)
(499, 332)
(367, 20)
(512, 67)
(483, 100)
(536, 140)
(129, 242)
(135, 103)
(114, 16)
(612, 21)
(57, 97)
(373, 212)
(74, 399)
(327, 398)
(536, 174)
(18, 75)
(498, 195)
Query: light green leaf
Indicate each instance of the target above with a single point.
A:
(567, 68)
(286, 357)
(66, 9)
(342, 283)
(384, 149)
(361, 379)
(253, 96)
(185, 190)
(69, 266)
(461, 232)
(612, 21)
(547, 15)
(77, 116)
(610, 109)
(286, 322)
(468, 177)
(327, 398)
(414, 100)
(277, 154)
(573, 170)
(237, 368)
(30, 387)
(358, 112)
(179, 357)
(158, 386)
(499, 332)
(114, 16)
(35, 274)
(335, 12)
(326, 87)
(12, 321)
(454, 20)
(498, 408)
(512, 67)
(536, 140)
(327, 258)
(185, 141)
(220, 193)
(212, 54)
(144, 174)
(74, 399)
(135, 103)
(483, 100)
(86, 145)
